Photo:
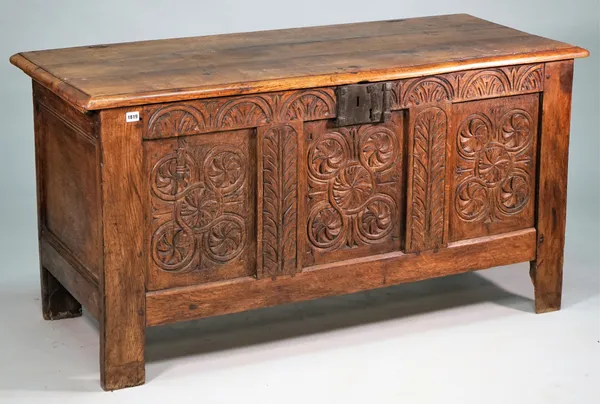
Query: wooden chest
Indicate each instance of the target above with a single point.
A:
(192, 177)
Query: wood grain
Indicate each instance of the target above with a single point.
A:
(338, 278)
(122, 284)
(547, 269)
(108, 76)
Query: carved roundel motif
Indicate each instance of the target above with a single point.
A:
(172, 175)
(352, 188)
(225, 168)
(474, 134)
(173, 248)
(198, 208)
(516, 133)
(493, 164)
(328, 155)
(514, 194)
(472, 200)
(226, 238)
(325, 226)
(377, 148)
(375, 221)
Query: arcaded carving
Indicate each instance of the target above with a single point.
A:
(489, 83)
(250, 111)
(244, 112)
(307, 106)
(467, 85)
(177, 120)
(428, 90)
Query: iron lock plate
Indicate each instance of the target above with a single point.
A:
(363, 103)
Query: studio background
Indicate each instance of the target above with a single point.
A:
(467, 338)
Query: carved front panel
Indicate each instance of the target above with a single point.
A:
(354, 189)
(266, 184)
(493, 163)
(202, 203)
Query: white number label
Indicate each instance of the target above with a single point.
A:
(132, 116)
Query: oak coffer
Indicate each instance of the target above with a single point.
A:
(192, 177)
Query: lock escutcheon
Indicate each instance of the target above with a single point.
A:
(363, 103)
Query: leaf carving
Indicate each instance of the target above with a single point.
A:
(279, 200)
(429, 157)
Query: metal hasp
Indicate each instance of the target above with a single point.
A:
(363, 103)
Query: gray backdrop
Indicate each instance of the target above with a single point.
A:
(32, 25)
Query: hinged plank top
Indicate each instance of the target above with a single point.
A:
(107, 76)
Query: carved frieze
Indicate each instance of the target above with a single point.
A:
(468, 85)
(222, 114)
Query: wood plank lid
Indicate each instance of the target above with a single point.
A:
(127, 74)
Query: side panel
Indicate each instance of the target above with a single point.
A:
(70, 169)
(68, 186)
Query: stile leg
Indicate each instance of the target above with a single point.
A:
(122, 283)
(57, 302)
(547, 270)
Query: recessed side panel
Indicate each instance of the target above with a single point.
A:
(201, 219)
(493, 145)
(354, 191)
(70, 212)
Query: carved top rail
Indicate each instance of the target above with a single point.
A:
(230, 113)
(469, 85)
